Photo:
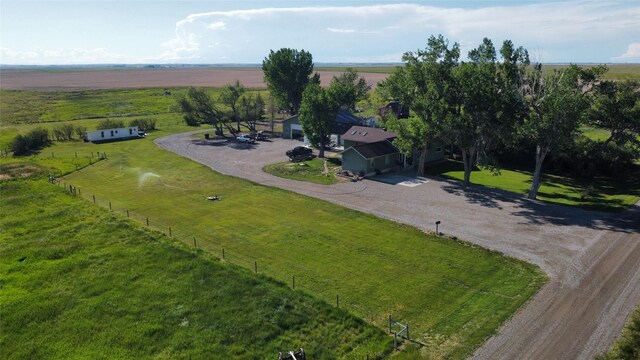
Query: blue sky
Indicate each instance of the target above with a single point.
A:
(209, 32)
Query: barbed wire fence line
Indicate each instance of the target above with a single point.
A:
(209, 246)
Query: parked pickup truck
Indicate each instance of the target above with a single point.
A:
(244, 138)
(300, 153)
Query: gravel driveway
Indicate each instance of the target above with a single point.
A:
(592, 258)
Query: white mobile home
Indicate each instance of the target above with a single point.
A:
(112, 134)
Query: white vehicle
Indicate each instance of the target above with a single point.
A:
(244, 138)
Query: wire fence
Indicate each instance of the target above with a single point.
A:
(198, 242)
(210, 246)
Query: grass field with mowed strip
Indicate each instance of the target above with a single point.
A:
(77, 282)
(452, 294)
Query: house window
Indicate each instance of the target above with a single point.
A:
(101, 133)
(439, 149)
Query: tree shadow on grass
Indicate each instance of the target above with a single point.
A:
(597, 211)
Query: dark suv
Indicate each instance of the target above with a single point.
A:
(299, 150)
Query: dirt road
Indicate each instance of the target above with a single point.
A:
(592, 258)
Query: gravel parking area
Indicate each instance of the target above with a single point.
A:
(592, 258)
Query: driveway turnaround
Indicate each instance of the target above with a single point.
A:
(591, 258)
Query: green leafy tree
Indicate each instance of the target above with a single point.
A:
(317, 114)
(230, 96)
(476, 100)
(287, 73)
(199, 108)
(487, 101)
(426, 85)
(556, 104)
(348, 88)
(617, 109)
(34, 140)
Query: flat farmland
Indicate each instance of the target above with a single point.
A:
(75, 79)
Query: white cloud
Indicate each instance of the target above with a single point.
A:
(581, 30)
(344, 31)
(218, 25)
(64, 56)
(633, 52)
(559, 28)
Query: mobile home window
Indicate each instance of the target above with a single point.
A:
(112, 133)
(101, 133)
(130, 131)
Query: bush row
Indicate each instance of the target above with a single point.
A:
(35, 139)
(66, 132)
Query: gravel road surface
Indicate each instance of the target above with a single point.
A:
(591, 258)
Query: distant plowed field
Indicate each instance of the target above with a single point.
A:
(145, 78)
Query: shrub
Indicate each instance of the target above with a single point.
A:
(81, 131)
(34, 140)
(63, 132)
(110, 124)
(588, 158)
(144, 124)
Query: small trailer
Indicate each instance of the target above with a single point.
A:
(105, 135)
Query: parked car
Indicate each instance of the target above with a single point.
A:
(142, 134)
(261, 136)
(299, 150)
(244, 138)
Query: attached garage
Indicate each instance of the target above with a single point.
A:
(291, 128)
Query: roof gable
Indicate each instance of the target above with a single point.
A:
(364, 134)
(373, 150)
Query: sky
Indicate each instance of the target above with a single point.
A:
(61, 32)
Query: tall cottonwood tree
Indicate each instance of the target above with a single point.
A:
(487, 101)
(425, 84)
(556, 104)
(287, 73)
(477, 101)
(317, 115)
(348, 88)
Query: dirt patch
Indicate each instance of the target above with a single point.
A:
(20, 170)
(146, 78)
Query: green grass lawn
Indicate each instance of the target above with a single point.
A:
(627, 346)
(311, 171)
(594, 194)
(454, 295)
(78, 282)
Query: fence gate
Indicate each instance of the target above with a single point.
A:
(398, 330)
